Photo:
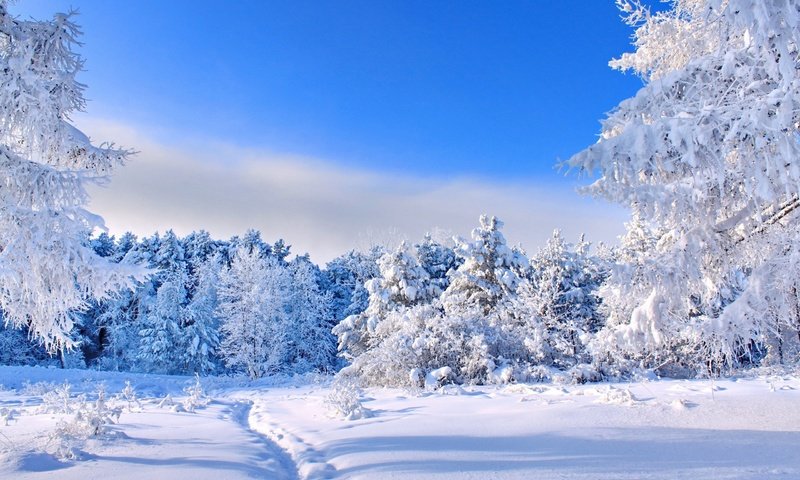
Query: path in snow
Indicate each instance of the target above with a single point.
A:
(213, 443)
(747, 429)
(744, 429)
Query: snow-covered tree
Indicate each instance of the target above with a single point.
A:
(47, 270)
(345, 277)
(311, 319)
(162, 328)
(562, 295)
(402, 338)
(402, 283)
(17, 349)
(438, 260)
(161, 331)
(253, 308)
(707, 153)
(200, 337)
(125, 243)
(489, 272)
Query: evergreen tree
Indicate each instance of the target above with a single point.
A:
(162, 331)
(402, 283)
(345, 277)
(490, 271)
(125, 243)
(200, 337)
(311, 319)
(562, 293)
(438, 260)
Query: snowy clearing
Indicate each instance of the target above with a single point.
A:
(742, 428)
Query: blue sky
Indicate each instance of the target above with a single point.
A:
(431, 90)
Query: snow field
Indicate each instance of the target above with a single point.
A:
(739, 428)
(742, 429)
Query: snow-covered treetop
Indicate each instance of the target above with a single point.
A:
(490, 269)
(712, 138)
(402, 282)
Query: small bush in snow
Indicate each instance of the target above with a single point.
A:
(345, 399)
(196, 396)
(60, 400)
(8, 414)
(37, 389)
(128, 396)
(166, 401)
(90, 420)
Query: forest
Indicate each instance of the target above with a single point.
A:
(704, 282)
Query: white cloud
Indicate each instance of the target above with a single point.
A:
(318, 206)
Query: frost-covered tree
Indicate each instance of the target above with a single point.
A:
(314, 346)
(489, 272)
(161, 331)
(345, 277)
(104, 244)
(254, 311)
(47, 270)
(400, 339)
(125, 243)
(707, 153)
(562, 294)
(199, 248)
(402, 283)
(17, 349)
(200, 337)
(162, 328)
(438, 260)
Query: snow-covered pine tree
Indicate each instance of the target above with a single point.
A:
(162, 336)
(103, 244)
(311, 319)
(562, 294)
(402, 284)
(47, 270)
(474, 328)
(345, 277)
(489, 272)
(200, 336)
(125, 243)
(707, 152)
(438, 260)
(198, 248)
(161, 332)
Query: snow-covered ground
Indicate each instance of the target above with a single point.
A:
(742, 428)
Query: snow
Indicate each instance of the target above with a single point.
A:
(738, 428)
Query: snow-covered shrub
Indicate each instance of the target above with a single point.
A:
(129, 397)
(57, 399)
(8, 415)
(167, 401)
(436, 378)
(90, 419)
(344, 399)
(195, 396)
